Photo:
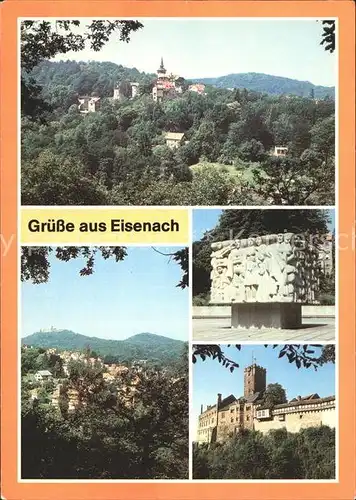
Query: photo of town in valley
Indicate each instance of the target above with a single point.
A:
(159, 112)
(104, 363)
(264, 412)
(264, 275)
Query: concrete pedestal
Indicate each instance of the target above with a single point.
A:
(266, 315)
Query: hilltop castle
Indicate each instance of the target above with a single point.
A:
(165, 86)
(229, 415)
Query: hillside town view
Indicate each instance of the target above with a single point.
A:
(75, 392)
(109, 405)
(161, 137)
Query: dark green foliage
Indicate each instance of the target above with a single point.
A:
(118, 156)
(274, 395)
(308, 454)
(259, 82)
(35, 265)
(306, 356)
(33, 360)
(43, 40)
(235, 224)
(328, 37)
(106, 436)
(156, 349)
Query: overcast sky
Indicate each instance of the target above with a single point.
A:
(214, 47)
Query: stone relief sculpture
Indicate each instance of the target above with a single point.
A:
(270, 268)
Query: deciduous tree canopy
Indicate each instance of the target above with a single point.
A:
(118, 154)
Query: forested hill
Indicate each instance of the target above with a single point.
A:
(71, 78)
(142, 346)
(119, 155)
(100, 78)
(260, 82)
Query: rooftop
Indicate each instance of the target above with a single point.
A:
(175, 136)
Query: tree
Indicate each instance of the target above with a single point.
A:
(252, 150)
(274, 395)
(134, 428)
(50, 180)
(307, 454)
(303, 356)
(328, 36)
(44, 39)
(290, 181)
(117, 153)
(35, 265)
(323, 139)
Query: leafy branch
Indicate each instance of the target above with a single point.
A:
(328, 36)
(301, 355)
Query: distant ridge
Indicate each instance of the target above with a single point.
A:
(69, 73)
(140, 346)
(270, 84)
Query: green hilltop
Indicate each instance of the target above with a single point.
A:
(269, 84)
(141, 346)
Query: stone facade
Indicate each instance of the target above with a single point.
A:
(88, 104)
(207, 424)
(230, 415)
(118, 95)
(270, 268)
(297, 415)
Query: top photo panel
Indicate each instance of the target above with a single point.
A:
(178, 111)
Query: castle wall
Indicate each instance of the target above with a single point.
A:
(294, 422)
(229, 420)
(234, 418)
(207, 426)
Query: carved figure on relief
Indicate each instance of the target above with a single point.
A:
(264, 269)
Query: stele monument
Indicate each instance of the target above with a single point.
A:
(266, 279)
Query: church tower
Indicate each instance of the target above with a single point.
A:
(161, 72)
(254, 379)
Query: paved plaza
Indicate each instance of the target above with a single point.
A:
(219, 330)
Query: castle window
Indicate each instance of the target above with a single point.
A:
(300, 416)
(232, 410)
(247, 418)
(232, 419)
(223, 415)
(247, 408)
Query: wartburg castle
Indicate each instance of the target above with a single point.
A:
(230, 415)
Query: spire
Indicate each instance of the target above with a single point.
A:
(161, 69)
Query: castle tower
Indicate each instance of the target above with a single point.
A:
(254, 379)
